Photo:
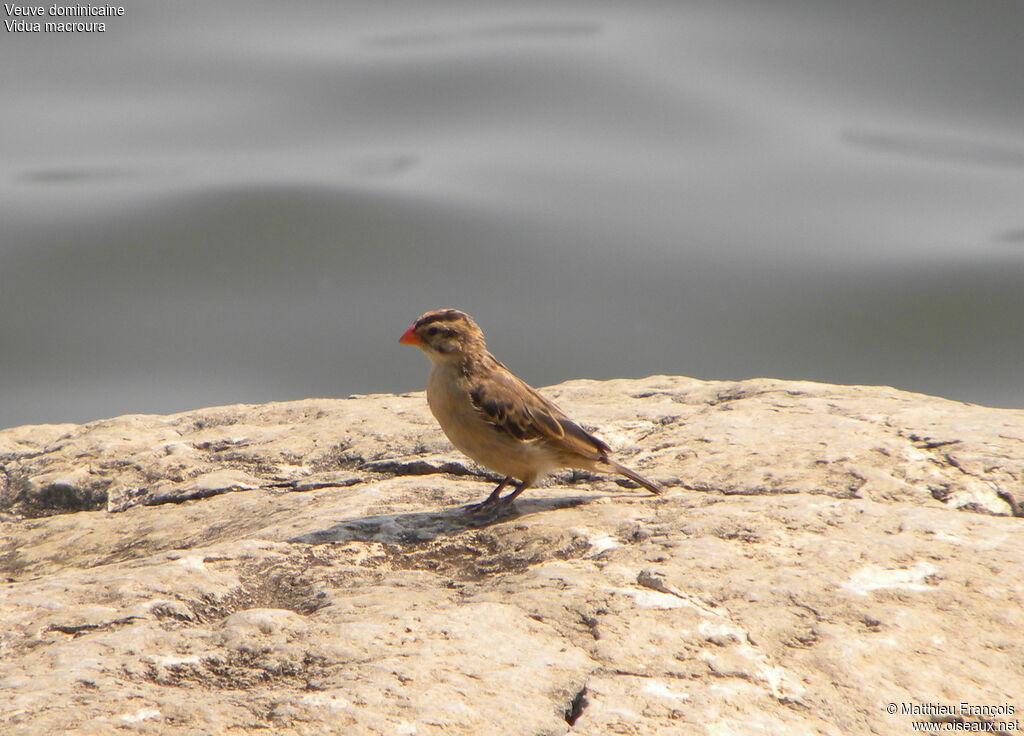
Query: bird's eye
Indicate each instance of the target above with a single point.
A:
(432, 331)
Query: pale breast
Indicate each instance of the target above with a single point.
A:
(467, 430)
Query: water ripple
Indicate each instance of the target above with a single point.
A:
(521, 31)
(935, 148)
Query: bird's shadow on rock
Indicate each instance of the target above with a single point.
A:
(425, 526)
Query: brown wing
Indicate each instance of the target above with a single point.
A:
(513, 407)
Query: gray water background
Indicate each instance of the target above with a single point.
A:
(218, 202)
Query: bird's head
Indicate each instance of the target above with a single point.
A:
(445, 333)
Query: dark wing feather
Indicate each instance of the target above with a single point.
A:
(513, 407)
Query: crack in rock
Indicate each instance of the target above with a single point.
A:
(575, 707)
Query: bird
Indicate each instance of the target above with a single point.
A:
(496, 418)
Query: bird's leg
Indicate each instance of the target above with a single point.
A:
(523, 485)
(497, 491)
(493, 498)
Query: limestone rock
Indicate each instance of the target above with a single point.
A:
(305, 568)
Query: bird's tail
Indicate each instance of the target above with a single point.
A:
(637, 478)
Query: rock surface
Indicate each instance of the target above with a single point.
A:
(305, 568)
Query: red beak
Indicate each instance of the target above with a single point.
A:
(410, 338)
